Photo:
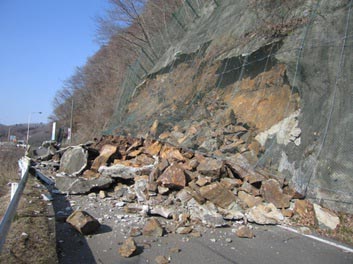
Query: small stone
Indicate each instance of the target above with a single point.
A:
(305, 230)
(153, 228)
(174, 250)
(287, 213)
(102, 194)
(163, 190)
(184, 230)
(202, 181)
(92, 196)
(213, 240)
(244, 232)
(230, 184)
(120, 204)
(135, 232)
(161, 260)
(128, 248)
(229, 240)
(195, 234)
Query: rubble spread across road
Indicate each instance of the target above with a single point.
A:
(161, 189)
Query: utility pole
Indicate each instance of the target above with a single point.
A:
(71, 120)
(29, 121)
(9, 135)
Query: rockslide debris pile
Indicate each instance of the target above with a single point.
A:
(152, 178)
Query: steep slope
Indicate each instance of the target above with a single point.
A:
(282, 70)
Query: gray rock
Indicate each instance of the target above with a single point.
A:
(125, 172)
(74, 160)
(74, 185)
(264, 214)
(326, 218)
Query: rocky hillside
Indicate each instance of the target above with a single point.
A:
(264, 80)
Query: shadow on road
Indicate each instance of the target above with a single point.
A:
(71, 246)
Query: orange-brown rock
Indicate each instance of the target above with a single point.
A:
(153, 228)
(303, 207)
(83, 222)
(195, 194)
(154, 148)
(231, 183)
(263, 96)
(244, 232)
(271, 191)
(106, 152)
(171, 154)
(90, 174)
(173, 177)
(217, 194)
(128, 248)
(249, 199)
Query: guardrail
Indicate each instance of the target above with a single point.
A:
(15, 198)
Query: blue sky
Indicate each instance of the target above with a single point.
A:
(41, 44)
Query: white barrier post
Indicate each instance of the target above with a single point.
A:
(14, 186)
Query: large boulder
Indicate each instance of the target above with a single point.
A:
(74, 160)
(74, 185)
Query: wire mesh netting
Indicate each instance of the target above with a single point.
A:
(290, 66)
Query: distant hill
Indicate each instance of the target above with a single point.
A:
(38, 132)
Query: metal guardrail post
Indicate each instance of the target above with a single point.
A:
(11, 210)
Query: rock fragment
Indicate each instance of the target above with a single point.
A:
(74, 160)
(83, 222)
(161, 260)
(128, 248)
(326, 218)
(106, 152)
(217, 194)
(210, 167)
(173, 177)
(153, 228)
(245, 232)
(273, 193)
(264, 214)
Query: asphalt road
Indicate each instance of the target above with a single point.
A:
(272, 244)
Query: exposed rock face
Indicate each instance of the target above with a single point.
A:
(74, 160)
(243, 79)
(83, 222)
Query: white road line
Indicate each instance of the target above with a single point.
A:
(344, 248)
